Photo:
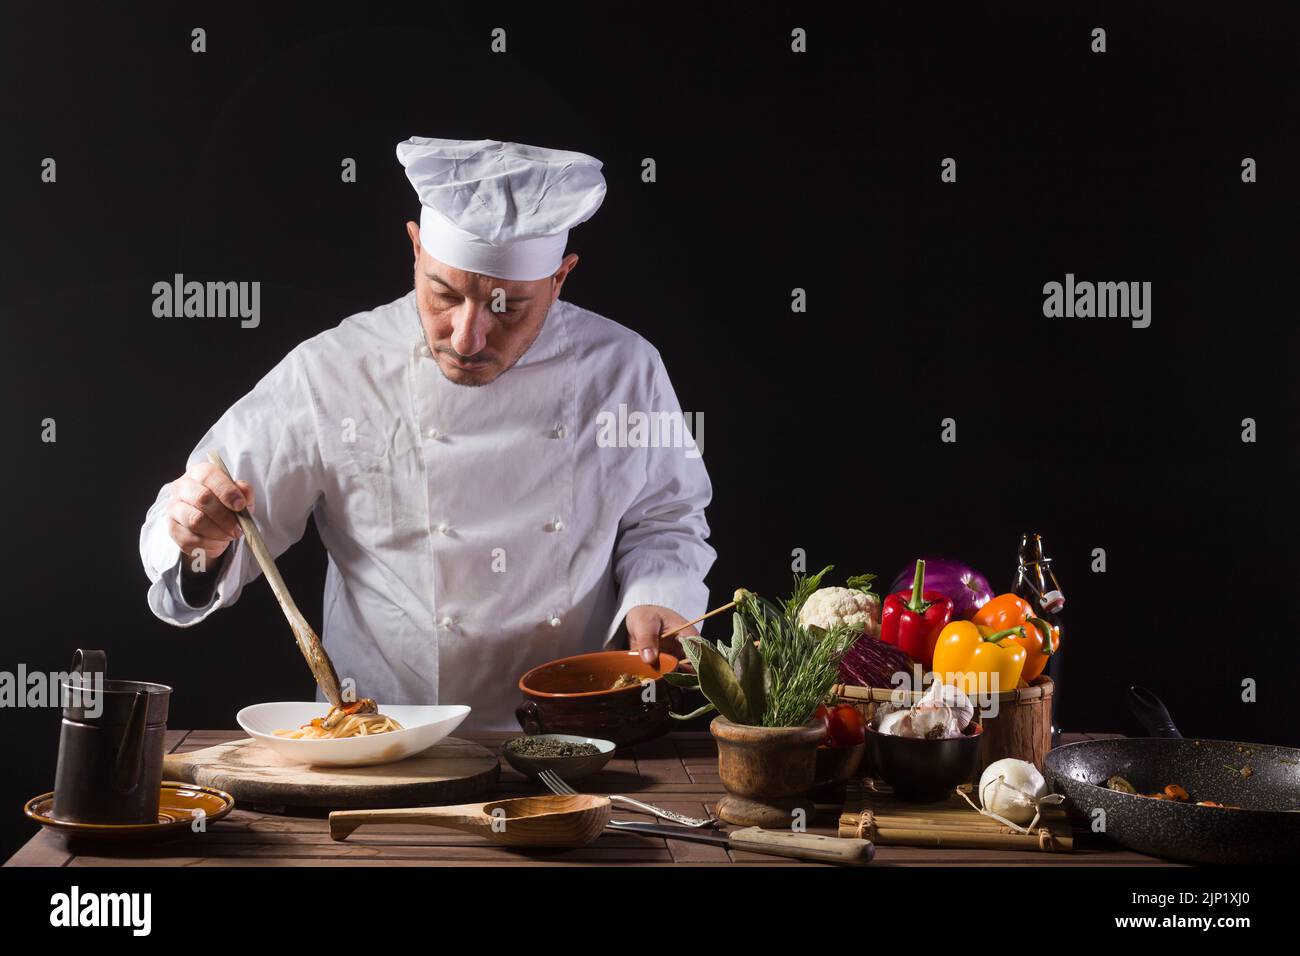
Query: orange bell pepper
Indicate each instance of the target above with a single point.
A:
(965, 651)
(1040, 641)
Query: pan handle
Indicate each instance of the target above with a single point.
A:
(1151, 713)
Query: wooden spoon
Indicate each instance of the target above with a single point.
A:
(322, 668)
(551, 821)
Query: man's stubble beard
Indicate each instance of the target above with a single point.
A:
(471, 384)
(524, 351)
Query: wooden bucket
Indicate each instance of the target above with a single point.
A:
(1022, 728)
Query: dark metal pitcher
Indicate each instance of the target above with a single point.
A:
(110, 746)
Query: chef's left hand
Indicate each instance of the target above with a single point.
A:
(646, 622)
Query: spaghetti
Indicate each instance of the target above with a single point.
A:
(358, 719)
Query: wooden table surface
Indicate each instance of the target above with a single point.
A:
(678, 772)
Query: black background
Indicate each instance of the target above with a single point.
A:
(775, 171)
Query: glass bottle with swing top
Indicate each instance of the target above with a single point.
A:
(1037, 584)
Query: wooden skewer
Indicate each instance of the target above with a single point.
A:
(717, 610)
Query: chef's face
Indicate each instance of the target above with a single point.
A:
(472, 342)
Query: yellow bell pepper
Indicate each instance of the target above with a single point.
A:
(965, 651)
(1041, 641)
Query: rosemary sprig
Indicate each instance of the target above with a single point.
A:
(801, 663)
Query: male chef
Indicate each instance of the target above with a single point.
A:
(447, 445)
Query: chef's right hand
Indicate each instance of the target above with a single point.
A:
(646, 622)
(202, 510)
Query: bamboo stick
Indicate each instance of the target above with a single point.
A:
(884, 835)
(717, 610)
(939, 815)
(984, 824)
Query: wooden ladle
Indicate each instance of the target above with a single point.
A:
(549, 821)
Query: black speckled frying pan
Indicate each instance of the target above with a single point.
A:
(1262, 779)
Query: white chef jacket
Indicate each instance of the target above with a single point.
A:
(473, 533)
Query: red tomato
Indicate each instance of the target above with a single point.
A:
(823, 716)
(846, 726)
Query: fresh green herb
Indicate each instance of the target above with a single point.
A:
(802, 663)
(774, 672)
(752, 674)
(721, 686)
(861, 582)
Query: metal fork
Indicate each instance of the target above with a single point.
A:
(560, 788)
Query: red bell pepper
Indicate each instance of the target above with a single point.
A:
(912, 620)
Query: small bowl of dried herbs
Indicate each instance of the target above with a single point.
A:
(569, 757)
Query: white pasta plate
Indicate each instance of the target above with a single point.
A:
(423, 726)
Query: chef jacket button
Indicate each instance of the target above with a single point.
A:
(557, 524)
(447, 622)
(425, 351)
(444, 528)
(434, 434)
(555, 622)
(557, 431)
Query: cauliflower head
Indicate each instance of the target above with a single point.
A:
(827, 607)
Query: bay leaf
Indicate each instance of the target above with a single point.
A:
(751, 674)
(719, 684)
(691, 647)
(698, 712)
(682, 679)
(737, 639)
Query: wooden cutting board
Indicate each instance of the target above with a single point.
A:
(452, 771)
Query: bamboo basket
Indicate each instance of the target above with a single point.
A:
(1022, 728)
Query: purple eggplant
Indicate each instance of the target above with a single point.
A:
(963, 585)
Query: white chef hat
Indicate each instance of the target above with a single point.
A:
(500, 209)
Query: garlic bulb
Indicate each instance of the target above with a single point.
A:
(942, 711)
(933, 723)
(950, 697)
(888, 722)
(1012, 788)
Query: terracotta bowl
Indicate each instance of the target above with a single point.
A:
(573, 696)
(923, 771)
